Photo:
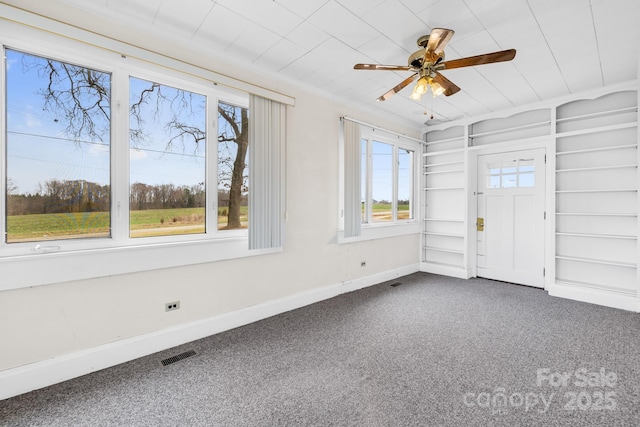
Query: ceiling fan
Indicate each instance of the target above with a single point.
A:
(427, 63)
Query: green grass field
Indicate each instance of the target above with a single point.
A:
(382, 212)
(145, 223)
(152, 222)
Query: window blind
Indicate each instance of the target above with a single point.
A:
(267, 126)
(352, 214)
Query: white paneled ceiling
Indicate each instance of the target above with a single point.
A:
(563, 46)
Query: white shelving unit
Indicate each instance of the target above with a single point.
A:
(597, 193)
(444, 198)
(592, 246)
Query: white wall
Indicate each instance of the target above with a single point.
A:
(50, 321)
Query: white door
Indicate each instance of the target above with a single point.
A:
(510, 224)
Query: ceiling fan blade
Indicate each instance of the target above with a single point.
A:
(406, 82)
(381, 67)
(449, 87)
(438, 39)
(487, 58)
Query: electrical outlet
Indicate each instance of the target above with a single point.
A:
(363, 263)
(170, 306)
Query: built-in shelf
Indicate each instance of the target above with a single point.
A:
(443, 141)
(436, 233)
(605, 113)
(599, 168)
(431, 165)
(597, 261)
(510, 129)
(595, 150)
(608, 288)
(449, 251)
(445, 171)
(443, 188)
(597, 130)
(445, 264)
(598, 236)
(597, 214)
(600, 190)
(440, 153)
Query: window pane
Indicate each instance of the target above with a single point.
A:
(233, 167)
(494, 181)
(58, 149)
(381, 181)
(405, 184)
(167, 160)
(527, 180)
(363, 180)
(509, 181)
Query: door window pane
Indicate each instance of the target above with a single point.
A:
(505, 175)
(57, 149)
(233, 167)
(381, 181)
(167, 160)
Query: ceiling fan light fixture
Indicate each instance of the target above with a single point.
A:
(436, 89)
(421, 87)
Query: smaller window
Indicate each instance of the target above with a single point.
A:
(381, 182)
(387, 182)
(363, 180)
(404, 208)
(233, 167)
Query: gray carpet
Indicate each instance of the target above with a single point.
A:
(432, 351)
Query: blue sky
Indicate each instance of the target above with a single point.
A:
(382, 169)
(39, 149)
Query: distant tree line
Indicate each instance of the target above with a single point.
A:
(165, 196)
(57, 196)
(68, 196)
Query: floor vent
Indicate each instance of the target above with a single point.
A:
(178, 357)
(396, 284)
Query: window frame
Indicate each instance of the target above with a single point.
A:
(377, 230)
(396, 144)
(43, 262)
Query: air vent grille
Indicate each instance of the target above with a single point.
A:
(178, 357)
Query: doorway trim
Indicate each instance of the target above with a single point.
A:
(472, 153)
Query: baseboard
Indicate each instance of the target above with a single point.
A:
(445, 270)
(363, 282)
(595, 296)
(37, 375)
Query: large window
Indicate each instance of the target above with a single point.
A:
(134, 165)
(60, 182)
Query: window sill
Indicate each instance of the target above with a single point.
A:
(381, 231)
(55, 267)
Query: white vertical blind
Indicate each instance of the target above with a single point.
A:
(267, 128)
(352, 214)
